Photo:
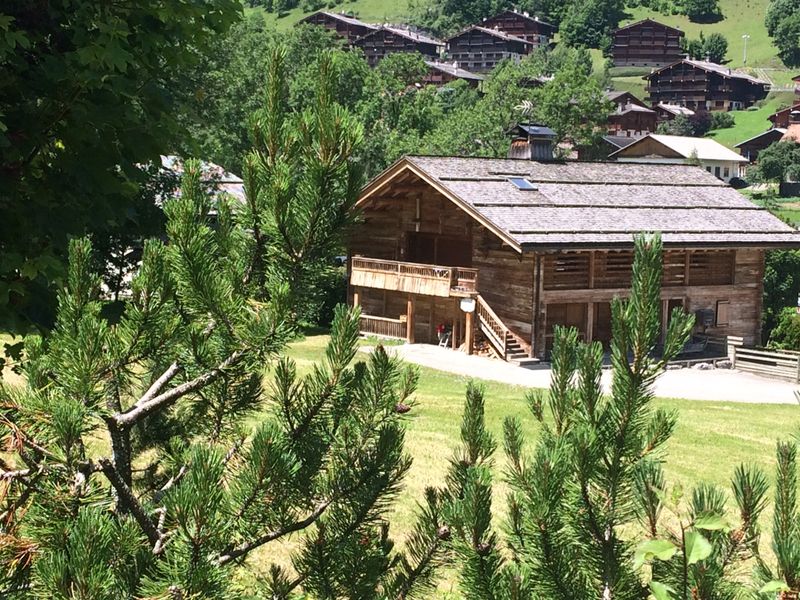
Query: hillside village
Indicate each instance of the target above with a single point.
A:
(429, 299)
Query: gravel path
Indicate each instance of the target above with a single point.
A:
(692, 384)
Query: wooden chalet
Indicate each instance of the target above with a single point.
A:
(701, 85)
(506, 249)
(631, 117)
(750, 148)
(646, 43)
(796, 79)
(783, 117)
(522, 25)
(715, 158)
(347, 27)
(440, 73)
(388, 40)
(479, 49)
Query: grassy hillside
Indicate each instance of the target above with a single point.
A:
(372, 11)
(740, 17)
(750, 122)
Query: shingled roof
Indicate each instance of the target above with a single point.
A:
(594, 204)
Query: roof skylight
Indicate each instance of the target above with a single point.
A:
(521, 183)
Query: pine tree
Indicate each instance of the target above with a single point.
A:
(594, 476)
(145, 457)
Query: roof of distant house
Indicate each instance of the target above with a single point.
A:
(688, 147)
(493, 32)
(775, 132)
(635, 108)
(454, 70)
(593, 204)
(792, 133)
(523, 15)
(619, 141)
(406, 33)
(214, 176)
(643, 21)
(340, 17)
(713, 67)
(675, 109)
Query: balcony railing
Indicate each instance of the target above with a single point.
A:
(383, 327)
(414, 278)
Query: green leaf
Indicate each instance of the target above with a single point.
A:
(696, 547)
(710, 522)
(653, 549)
(774, 586)
(661, 591)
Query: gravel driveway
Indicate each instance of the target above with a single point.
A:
(692, 384)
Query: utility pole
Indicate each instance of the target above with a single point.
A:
(745, 37)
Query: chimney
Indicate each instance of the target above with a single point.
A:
(532, 142)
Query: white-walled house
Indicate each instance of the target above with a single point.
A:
(675, 149)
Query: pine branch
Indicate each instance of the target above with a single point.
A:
(143, 408)
(129, 501)
(247, 547)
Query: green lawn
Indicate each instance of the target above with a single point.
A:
(750, 122)
(711, 439)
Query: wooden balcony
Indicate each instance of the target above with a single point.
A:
(413, 278)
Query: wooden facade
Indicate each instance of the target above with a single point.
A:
(631, 117)
(523, 26)
(704, 86)
(751, 148)
(786, 116)
(346, 27)
(479, 49)
(389, 40)
(418, 255)
(646, 43)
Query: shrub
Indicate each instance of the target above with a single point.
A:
(786, 335)
(722, 120)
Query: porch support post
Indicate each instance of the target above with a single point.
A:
(410, 319)
(469, 334)
(356, 297)
(454, 328)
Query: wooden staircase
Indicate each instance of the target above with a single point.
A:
(504, 342)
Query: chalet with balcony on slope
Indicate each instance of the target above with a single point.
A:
(646, 43)
(388, 40)
(522, 25)
(347, 27)
(451, 248)
(701, 85)
(715, 158)
(783, 117)
(479, 49)
(631, 117)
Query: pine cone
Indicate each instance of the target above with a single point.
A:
(401, 408)
(483, 549)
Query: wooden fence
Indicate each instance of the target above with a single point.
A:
(770, 363)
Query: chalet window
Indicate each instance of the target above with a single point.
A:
(716, 171)
(726, 172)
(711, 268)
(566, 271)
(723, 316)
